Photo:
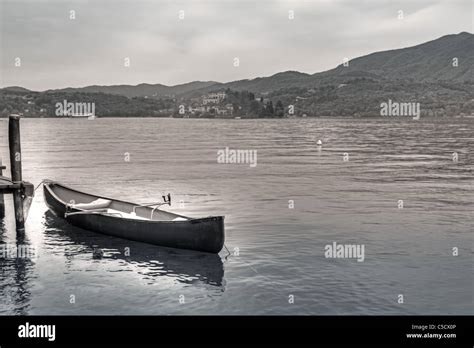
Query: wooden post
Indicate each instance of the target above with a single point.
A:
(2, 201)
(15, 164)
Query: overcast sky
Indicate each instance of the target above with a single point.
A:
(57, 51)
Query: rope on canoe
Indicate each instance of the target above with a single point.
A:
(41, 183)
(228, 252)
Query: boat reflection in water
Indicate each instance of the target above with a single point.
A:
(151, 261)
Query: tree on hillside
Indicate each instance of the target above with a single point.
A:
(254, 108)
(279, 109)
(270, 109)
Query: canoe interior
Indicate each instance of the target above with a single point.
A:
(68, 195)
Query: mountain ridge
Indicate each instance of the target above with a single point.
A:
(430, 61)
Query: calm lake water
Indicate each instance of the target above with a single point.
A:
(408, 251)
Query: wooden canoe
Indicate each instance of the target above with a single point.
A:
(132, 221)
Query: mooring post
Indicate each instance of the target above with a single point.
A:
(2, 201)
(15, 164)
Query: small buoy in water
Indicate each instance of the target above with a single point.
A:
(319, 143)
(97, 253)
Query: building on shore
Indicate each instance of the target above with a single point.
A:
(213, 98)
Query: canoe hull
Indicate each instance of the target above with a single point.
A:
(206, 234)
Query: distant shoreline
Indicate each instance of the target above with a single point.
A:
(469, 117)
